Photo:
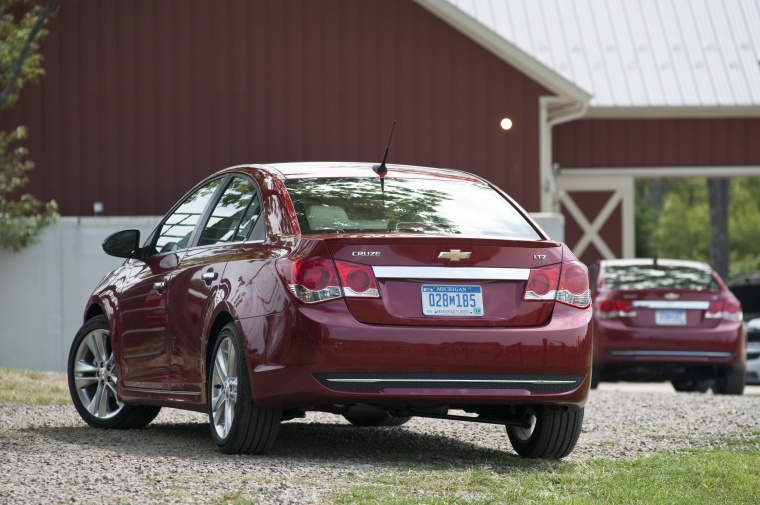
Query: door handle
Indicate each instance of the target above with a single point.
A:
(159, 286)
(209, 276)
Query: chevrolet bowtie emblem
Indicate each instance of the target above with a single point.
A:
(454, 255)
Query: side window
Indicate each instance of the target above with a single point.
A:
(234, 214)
(176, 231)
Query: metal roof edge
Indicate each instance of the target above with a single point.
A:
(687, 112)
(504, 49)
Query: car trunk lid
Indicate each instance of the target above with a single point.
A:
(445, 281)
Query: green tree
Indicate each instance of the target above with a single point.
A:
(680, 227)
(21, 29)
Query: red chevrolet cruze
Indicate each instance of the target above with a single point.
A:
(667, 320)
(273, 290)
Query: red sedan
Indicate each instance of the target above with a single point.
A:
(273, 290)
(667, 320)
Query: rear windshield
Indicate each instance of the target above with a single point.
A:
(362, 205)
(633, 277)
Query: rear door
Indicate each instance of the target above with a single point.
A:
(198, 281)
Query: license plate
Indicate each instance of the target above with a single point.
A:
(451, 300)
(670, 317)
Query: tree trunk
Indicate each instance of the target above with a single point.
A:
(718, 191)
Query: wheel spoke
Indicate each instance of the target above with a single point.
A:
(103, 404)
(82, 367)
(84, 381)
(220, 368)
(231, 362)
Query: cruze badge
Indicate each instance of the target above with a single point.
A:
(454, 255)
(365, 253)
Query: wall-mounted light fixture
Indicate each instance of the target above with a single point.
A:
(97, 208)
(506, 123)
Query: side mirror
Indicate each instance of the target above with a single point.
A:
(123, 244)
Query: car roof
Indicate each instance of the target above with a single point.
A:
(660, 261)
(326, 169)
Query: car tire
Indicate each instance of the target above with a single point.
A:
(596, 377)
(93, 381)
(386, 421)
(237, 425)
(730, 382)
(692, 385)
(552, 434)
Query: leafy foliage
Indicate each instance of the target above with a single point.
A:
(20, 218)
(679, 227)
(17, 22)
(21, 30)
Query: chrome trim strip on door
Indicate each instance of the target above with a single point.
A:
(675, 354)
(665, 304)
(466, 273)
(458, 381)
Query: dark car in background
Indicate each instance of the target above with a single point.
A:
(272, 290)
(746, 287)
(667, 320)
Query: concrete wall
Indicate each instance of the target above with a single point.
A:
(43, 289)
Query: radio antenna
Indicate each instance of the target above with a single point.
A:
(381, 169)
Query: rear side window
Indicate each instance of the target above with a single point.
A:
(234, 214)
(637, 277)
(362, 205)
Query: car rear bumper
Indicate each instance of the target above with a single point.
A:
(321, 355)
(665, 354)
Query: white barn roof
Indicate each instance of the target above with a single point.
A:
(633, 57)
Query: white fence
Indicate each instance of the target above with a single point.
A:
(44, 288)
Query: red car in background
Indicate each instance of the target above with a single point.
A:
(667, 320)
(273, 290)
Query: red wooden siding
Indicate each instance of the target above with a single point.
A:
(664, 142)
(142, 99)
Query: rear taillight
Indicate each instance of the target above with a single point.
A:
(566, 283)
(611, 309)
(310, 280)
(358, 280)
(573, 285)
(315, 280)
(730, 310)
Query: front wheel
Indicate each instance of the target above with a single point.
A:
(731, 382)
(237, 425)
(551, 433)
(93, 381)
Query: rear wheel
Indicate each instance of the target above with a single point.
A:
(237, 425)
(552, 432)
(692, 385)
(731, 382)
(379, 421)
(93, 381)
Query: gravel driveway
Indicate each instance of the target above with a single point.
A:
(48, 455)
